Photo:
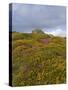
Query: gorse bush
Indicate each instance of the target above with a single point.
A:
(38, 58)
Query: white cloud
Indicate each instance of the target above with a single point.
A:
(57, 32)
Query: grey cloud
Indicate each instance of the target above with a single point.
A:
(38, 16)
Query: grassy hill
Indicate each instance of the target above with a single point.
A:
(38, 59)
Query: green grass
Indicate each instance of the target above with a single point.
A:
(38, 63)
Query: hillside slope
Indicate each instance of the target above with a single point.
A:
(38, 59)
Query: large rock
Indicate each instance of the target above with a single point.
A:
(38, 31)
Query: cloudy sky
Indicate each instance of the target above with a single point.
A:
(51, 19)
